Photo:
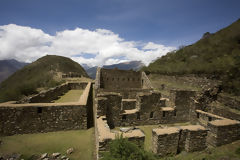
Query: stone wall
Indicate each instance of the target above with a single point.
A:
(165, 141)
(147, 109)
(104, 135)
(50, 95)
(20, 119)
(196, 140)
(172, 140)
(182, 100)
(204, 118)
(146, 84)
(109, 105)
(46, 117)
(220, 130)
(127, 93)
(54, 93)
(119, 79)
(80, 85)
(71, 75)
(223, 132)
(128, 104)
(97, 81)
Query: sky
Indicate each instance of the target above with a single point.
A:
(103, 32)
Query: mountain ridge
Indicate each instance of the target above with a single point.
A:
(134, 65)
(8, 67)
(43, 73)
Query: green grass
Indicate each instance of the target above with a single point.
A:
(157, 80)
(70, 96)
(147, 129)
(216, 56)
(43, 73)
(28, 144)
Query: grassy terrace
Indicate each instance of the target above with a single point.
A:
(70, 96)
(157, 80)
(28, 144)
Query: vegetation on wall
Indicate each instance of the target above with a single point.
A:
(39, 74)
(215, 54)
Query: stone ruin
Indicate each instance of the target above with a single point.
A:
(127, 98)
(38, 113)
(124, 98)
(72, 75)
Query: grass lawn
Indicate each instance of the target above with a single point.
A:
(147, 129)
(70, 96)
(28, 144)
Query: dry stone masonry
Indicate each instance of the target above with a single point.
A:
(127, 98)
(46, 117)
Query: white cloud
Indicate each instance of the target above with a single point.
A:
(99, 47)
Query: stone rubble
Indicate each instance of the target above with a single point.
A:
(70, 151)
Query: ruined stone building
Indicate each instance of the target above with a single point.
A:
(127, 98)
(123, 99)
(39, 113)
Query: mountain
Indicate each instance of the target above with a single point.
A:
(44, 73)
(92, 72)
(8, 67)
(134, 65)
(216, 54)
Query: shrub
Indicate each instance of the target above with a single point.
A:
(122, 149)
(237, 151)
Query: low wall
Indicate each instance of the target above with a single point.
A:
(81, 85)
(46, 117)
(172, 140)
(49, 95)
(22, 119)
(204, 118)
(223, 132)
(104, 135)
(165, 141)
(54, 93)
(220, 130)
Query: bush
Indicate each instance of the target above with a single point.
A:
(122, 149)
(237, 151)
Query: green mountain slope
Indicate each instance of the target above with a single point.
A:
(215, 54)
(44, 73)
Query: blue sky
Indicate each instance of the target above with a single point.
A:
(166, 22)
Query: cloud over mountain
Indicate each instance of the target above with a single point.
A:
(98, 47)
